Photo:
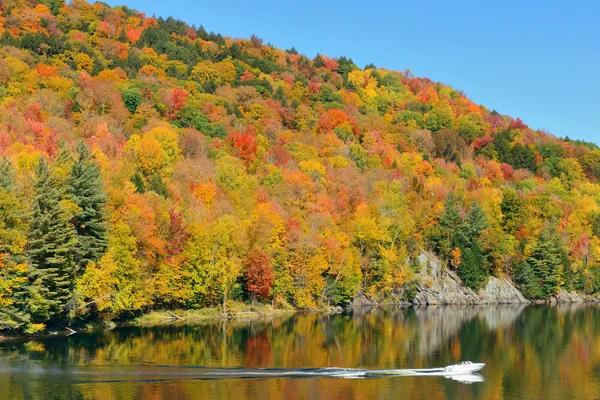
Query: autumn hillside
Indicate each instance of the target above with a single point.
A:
(150, 164)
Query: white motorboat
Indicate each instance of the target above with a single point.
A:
(462, 368)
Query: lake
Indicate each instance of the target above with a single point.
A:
(531, 352)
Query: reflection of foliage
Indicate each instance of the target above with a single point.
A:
(521, 347)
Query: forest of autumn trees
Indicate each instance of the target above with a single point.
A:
(148, 164)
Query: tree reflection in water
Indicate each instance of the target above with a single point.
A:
(530, 352)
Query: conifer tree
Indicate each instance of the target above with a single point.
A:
(546, 262)
(50, 248)
(85, 189)
(527, 281)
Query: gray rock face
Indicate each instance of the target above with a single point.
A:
(442, 286)
(438, 285)
(565, 297)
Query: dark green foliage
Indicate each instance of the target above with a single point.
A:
(265, 65)
(443, 235)
(8, 40)
(45, 45)
(50, 249)
(7, 174)
(523, 157)
(158, 186)
(138, 182)
(502, 146)
(517, 155)
(472, 269)
(457, 232)
(473, 225)
(526, 279)
(132, 98)
(133, 63)
(346, 65)
(86, 190)
(546, 261)
(318, 61)
(280, 95)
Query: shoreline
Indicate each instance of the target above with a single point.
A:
(157, 318)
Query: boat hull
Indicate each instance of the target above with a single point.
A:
(451, 370)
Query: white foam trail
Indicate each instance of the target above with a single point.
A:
(147, 372)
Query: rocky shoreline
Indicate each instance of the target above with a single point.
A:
(439, 286)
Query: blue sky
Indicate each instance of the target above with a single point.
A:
(537, 60)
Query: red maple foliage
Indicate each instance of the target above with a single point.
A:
(518, 124)
(244, 145)
(175, 101)
(259, 273)
(482, 142)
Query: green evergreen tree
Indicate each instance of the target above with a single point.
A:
(50, 248)
(546, 261)
(472, 269)
(318, 61)
(526, 279)
(443, 236)
(457, 232)
(159, 186)
(138, 182)
(472, 226)
(86, 190)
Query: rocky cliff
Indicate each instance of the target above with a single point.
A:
(437, 286)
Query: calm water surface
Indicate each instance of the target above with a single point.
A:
(535, 352)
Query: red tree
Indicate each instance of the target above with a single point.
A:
(245, 146)
(259, 273)
(175, 101)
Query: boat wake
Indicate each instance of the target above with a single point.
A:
(161, 373)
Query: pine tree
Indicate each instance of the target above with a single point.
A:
(546, 262)
(444, 233)
(471, 227)
(472, 269)
(527, 281)
(50, 248)
(85, 189)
